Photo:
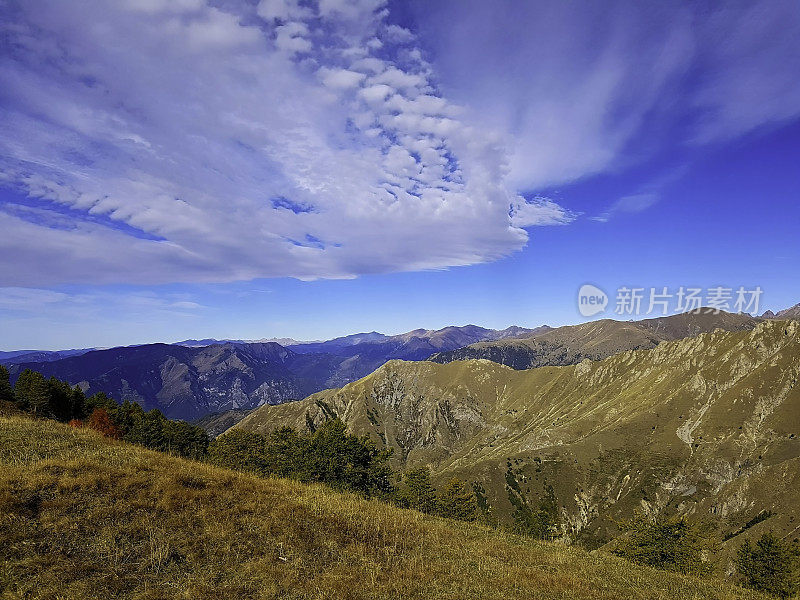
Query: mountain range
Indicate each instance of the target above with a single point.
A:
(191, 380)
(199, 379)
(705, 426)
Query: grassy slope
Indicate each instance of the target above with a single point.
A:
(82, 517)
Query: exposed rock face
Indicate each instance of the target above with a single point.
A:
(595, 340)
(702, 426)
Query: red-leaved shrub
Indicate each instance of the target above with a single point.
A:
(101, 421)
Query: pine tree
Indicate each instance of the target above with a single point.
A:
(6, 391)
(671, 544)
(32, 393)
(59, 400)
(458, 502)
(771, 565)
(418, 492)
(78, 403)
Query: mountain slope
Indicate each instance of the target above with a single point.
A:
(699, 426)
(792, 312)
(188, 383)
(84, 518)
(595, 340)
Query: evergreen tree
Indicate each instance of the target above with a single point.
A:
(346, 461)
(59, 399)
(78, 403)
(100, 400)
(241, 450)
(6, 391)
(417, 491)
(184, 439)
(287, 453)
(671, 544)
(456, 501)
(771, 565)
(539, 519)
(32, 393)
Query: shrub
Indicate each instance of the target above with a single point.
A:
(771, 565)
(75, 423)
(671, 544)
(101, 421)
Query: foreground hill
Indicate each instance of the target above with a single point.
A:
(85, 518)
(595, 340)
(190, 381)
(703, 426)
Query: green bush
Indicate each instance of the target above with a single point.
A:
(771, 565)
(671, 544)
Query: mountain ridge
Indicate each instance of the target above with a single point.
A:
(192, 381)
(595, 339)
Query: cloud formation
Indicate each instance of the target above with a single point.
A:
(581, 88)
(152, 141)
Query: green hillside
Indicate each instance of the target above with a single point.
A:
(84, 517)
(703, 427)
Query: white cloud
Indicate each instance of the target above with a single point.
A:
(539, 211)
(340, 79)
(181, 142)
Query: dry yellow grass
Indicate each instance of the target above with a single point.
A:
(82, 517)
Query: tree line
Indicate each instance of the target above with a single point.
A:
(55, 399)
(331, 455)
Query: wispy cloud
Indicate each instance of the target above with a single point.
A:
(177, 141)
(633, 203)
(584, 88)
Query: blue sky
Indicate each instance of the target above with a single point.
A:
(274, 169)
